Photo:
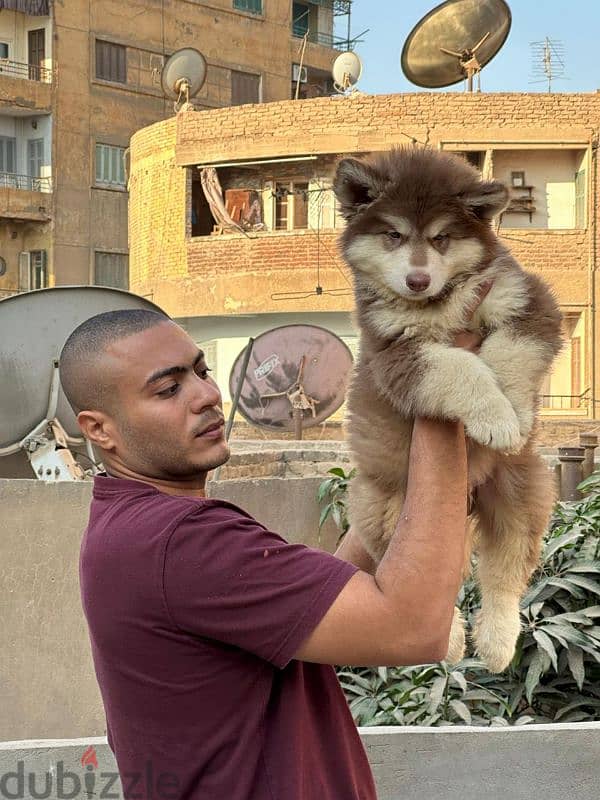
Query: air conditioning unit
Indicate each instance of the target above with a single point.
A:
(299, 72)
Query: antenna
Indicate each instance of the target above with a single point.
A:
(346, 72)
(183, 76)
(38, 429)
(548, 61)
(454, 42)
(295, 378)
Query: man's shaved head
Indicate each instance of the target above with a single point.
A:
(86, 384)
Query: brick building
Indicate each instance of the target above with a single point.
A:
(225, 287)
(77, 78)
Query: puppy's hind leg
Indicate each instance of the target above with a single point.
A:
(514, 507)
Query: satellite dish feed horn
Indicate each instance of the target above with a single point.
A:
(346, 72)
(182, 77)
(454, 42)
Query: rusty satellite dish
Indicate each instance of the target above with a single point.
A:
(296, 378)
(455, 41)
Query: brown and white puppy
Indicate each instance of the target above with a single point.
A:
(419, 241)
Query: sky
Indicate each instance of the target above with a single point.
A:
(574, 23)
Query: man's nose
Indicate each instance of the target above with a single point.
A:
(206, 394)
(418, 281)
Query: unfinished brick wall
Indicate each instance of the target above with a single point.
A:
(235, 274)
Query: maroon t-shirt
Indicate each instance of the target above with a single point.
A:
(195, 611)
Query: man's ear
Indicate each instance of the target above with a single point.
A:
(356, 186)
(96, 427)
(487, 199)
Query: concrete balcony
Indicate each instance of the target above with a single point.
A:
(25, 198)
(25, 87)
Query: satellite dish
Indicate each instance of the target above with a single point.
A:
(296, 378)
(454, 41)
(346, 71)
(31, 398)
(183, 76)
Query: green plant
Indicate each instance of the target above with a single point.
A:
(334, 493)
(555, 674)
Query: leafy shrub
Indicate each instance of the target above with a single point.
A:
(555, 674)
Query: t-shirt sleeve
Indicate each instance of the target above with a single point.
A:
(226, 577)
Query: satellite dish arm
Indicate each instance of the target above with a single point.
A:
(480, 42)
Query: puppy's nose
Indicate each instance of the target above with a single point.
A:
(418, 281)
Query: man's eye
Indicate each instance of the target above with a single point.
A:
(170, 392)
(204, 372)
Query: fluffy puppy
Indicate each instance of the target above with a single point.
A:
(419, 242)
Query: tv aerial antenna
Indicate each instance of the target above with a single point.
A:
(182, 77)
(454, 42)
(346, 72)
(548, 61)
(290, 378)
(39, 434)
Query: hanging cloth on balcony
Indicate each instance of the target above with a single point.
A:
(35, 8)
(214, 197)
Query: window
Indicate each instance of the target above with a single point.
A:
(111, 61)
(253, 6)
(111, 269)
(110, 169)
(3, 49)
(37, 270)
(291, 205)
(300, 19)
(245, 88)
(35, 157)
(580, 199)
(8, 158)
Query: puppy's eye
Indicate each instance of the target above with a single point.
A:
(396, 235)
(441, 237)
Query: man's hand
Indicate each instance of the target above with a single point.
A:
(469, 340)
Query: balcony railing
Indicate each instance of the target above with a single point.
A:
(9, 180)
(565, 402)
(28, 71)
(317, 37)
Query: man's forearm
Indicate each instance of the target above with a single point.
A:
(421, 570)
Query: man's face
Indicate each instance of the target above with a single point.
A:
(165, 401)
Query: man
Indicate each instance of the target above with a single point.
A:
(212, 637)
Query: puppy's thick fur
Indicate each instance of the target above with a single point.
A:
(421, 218)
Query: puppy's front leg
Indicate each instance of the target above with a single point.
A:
(435, 380)
(519, 364)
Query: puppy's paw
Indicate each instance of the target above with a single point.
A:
(456, 645)
(495, 633)
(495, 425)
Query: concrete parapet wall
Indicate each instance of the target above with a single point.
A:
(48, 684)
(556, 762)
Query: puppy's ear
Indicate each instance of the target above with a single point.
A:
(487, 199)
(356, 186)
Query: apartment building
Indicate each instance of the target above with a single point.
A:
(226, 285)
(78, 78)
